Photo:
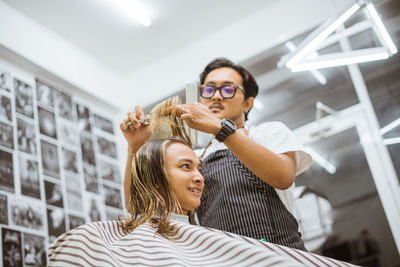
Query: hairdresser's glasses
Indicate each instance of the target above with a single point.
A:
(226, 91)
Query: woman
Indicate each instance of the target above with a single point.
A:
(165, 180)
(162, 188)
(154, 187)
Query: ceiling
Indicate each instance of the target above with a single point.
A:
(126, 46)
(291, 97)
(103, 49)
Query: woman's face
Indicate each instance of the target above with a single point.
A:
(183, 169)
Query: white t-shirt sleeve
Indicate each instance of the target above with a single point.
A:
(279, 139)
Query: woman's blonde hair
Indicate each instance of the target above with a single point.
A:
(151, 197)
(166, 123)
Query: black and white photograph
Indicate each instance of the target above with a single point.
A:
(107, 147)
(55, 223)
(47, 123)
(68, 133)
(6, 171)
(90, 176)
(84, 119)
(74, 195)
(87, 150)
(94, 210)
(3, 209)
(12, 248)
(54, 194)
(109, 172)
(34, 250)
(26, 136)
(64, 103)
(112, 197)
(23, 98)
(70, 160)
(26, 213)
(5, 108)
(29, 175)
(6, 135)
(50, 159)
(103, 124)
(5, 81)
(45, 94)
(75, 221)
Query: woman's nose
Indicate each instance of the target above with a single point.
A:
(198, 179)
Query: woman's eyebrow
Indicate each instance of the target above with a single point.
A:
(199, 164)
(185, 160)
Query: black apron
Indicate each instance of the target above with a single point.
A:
(237, 201)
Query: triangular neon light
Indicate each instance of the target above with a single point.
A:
(304, 58)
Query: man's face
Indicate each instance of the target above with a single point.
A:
(233, 108)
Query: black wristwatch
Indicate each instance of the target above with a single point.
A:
(228, 128)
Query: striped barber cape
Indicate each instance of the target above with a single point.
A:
(106, 244)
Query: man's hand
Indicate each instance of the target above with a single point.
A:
(136, 134)
(199, 117)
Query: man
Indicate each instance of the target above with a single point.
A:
(247, 173)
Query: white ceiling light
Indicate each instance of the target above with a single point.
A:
(381, 30)
(321, 107)
(390, 126)
(391, 141)
(340, 59)
(310, 44)
(134, 10)
(304, 57)
(320, 160)
(316, 73)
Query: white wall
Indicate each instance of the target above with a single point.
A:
(49, 51)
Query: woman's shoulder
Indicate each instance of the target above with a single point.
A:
(97, 227)
(90, 231)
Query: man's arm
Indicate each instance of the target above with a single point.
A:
(277, 170)
(136, 135)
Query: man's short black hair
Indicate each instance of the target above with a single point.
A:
(249, 83)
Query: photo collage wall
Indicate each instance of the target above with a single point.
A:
(58, 168)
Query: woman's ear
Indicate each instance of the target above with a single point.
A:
(157, 186)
